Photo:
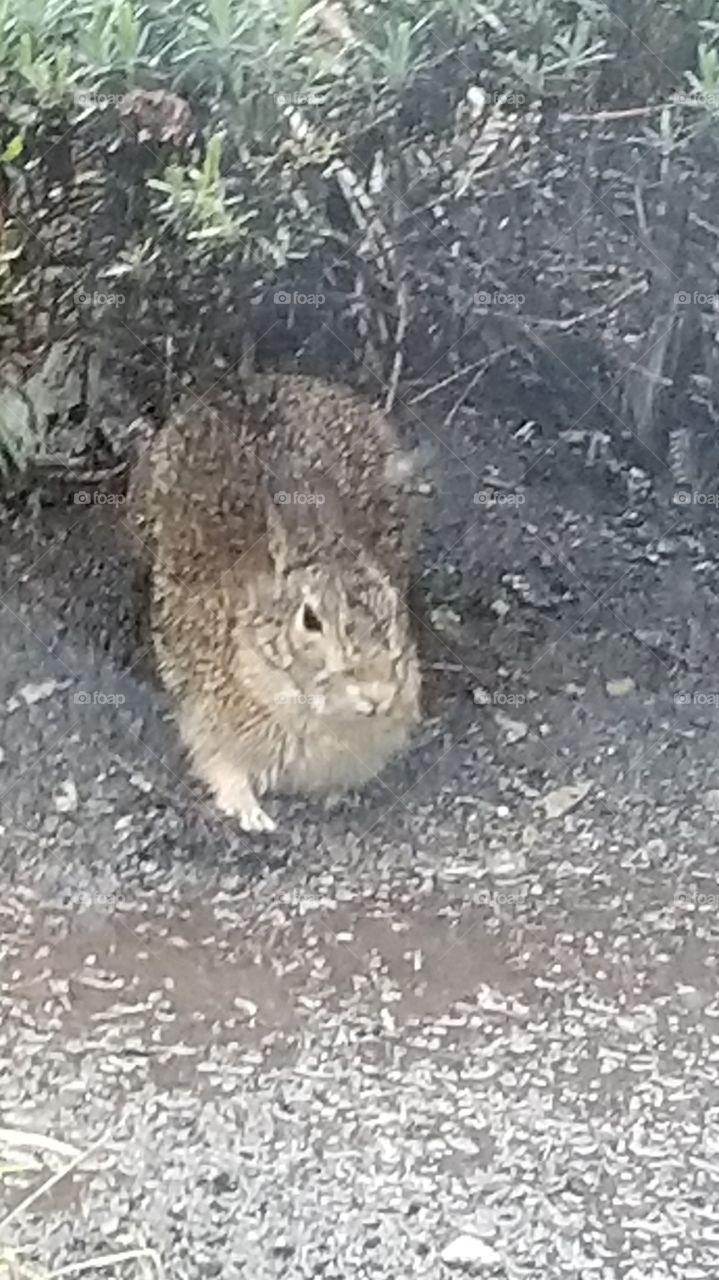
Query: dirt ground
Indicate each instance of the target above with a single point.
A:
(466, 1020)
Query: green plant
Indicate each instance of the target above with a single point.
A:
(12, 149)
(196, 197)
(571, 51)
(47, 72)
(705, 81)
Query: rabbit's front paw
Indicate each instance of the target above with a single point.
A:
(241, 803)
(234, 796)
(252, 817)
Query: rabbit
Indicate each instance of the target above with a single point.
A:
(279, 535)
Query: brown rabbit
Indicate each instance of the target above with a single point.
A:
(279, 542)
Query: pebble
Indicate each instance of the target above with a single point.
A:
(142, 783)
(652, 638)
(500, 607)
(445, 619)
(563, 799)
(65, 798)
(514, 730)
(468, 1249)
(711, 800)
(574, 690)
(32, 693)
(620, 688)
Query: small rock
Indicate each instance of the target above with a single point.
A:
(514, 730)
(142, 783)
(620, 688)
(2, 755)
(477, 99)
(445, 619)
(500, 607)
(481, 696)
(711, 800)
(65, 799)
(32, 693)
(563, 799)
(470, 1249)
(507, 865)
(653, 638)
(655, 850)
(574, 690)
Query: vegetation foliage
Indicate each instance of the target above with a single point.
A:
(364, 146)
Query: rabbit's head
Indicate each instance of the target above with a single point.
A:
(330, 633)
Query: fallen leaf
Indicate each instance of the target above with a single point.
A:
(564, 799)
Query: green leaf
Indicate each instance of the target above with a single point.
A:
(220, 13)
(211, 163)
(13, 149)
(126, 28)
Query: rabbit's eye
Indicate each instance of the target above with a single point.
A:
(310, 621)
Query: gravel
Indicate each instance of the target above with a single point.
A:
(464, 1023)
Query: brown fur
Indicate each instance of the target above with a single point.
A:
(280, 627)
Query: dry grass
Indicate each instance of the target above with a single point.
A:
(19, 1152)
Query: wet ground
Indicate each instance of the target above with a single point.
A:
(469, 1019)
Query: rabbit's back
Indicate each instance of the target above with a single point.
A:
(291, 438)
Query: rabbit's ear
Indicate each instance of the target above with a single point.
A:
(278, 534)
(302, 523)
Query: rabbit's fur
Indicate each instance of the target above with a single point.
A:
(279, 537)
